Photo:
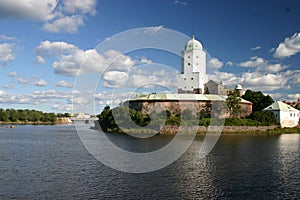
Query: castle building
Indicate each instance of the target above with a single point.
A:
(195, 93)
(193, 75)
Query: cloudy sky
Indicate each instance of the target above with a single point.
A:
(44, 43)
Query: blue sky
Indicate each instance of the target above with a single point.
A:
(42, 44)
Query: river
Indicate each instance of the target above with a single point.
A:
(50, 162)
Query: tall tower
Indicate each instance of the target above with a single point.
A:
(193, 75)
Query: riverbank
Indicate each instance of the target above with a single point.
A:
(201, 130)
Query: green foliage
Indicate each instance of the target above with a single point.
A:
(259, 100)
(264, 117)
(12, 115)
(233, 104)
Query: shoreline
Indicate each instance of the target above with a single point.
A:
(170, 130)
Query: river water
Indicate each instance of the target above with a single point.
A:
(50, 162)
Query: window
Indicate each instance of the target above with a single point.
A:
(184, 79)
(192, 78)
(189, 56)
(189, 63)
(197, 63)
(197, 56)
(291, 115)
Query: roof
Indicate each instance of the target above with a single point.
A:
(193, 44)
(238, 87)
(279, 105)
(182, 97)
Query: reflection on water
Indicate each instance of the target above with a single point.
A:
(38, 162)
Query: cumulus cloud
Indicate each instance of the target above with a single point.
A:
(7, 52)
(47, 48)
(289, 47)
(68, 24)
(41, 83)
(12, 74)
(145, 61)
(64, 83)
(80, 6)
(70, 58)
(256, 80)
(33, 9)
(262, 65)
(58, 16)
(214, 63)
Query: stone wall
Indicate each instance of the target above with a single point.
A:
(195, 107)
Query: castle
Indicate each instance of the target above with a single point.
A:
(195, 93)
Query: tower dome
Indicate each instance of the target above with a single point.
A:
(193, 44)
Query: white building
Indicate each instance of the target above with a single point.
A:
(285, 114)
(193, 75)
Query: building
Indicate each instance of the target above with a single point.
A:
(212, 87)
(194, 91)
(193, 75)
(285, 114)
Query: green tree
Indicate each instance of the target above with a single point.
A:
(259, 100)
(264, 117)
(233, 104)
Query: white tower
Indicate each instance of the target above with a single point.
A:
(193, 75)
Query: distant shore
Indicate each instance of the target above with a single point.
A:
(226, 130)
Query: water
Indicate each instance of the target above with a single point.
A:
(50, 162)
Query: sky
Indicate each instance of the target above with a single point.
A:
(43, 45)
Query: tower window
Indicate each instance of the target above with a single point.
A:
(189, 56)
(192, 78)
(197, 63)
(189, 63)
(197, 56)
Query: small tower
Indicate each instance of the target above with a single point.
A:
(239, 88)
(193, 75)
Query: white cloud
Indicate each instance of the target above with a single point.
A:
(229, 63)
(2, 92)
(256, 81)
(69, 24)
(293, 97)
(181, 3)
(5, 37)
(64, 83)
(262, 65)
(289, 47)
(41, 83)
(63, 106)
(153, 29)
(80, 6)
(69, 58)
(33, 9)
(12, 74)
(115, 78)
(265, 82)
(47, 48)
(59, 16)
(40, 60)
(7, 52)
(145, 61)
(214, 63)
(255, 48)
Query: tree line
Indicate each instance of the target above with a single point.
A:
(12, 115)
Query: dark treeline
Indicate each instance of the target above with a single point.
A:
(12, 115)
